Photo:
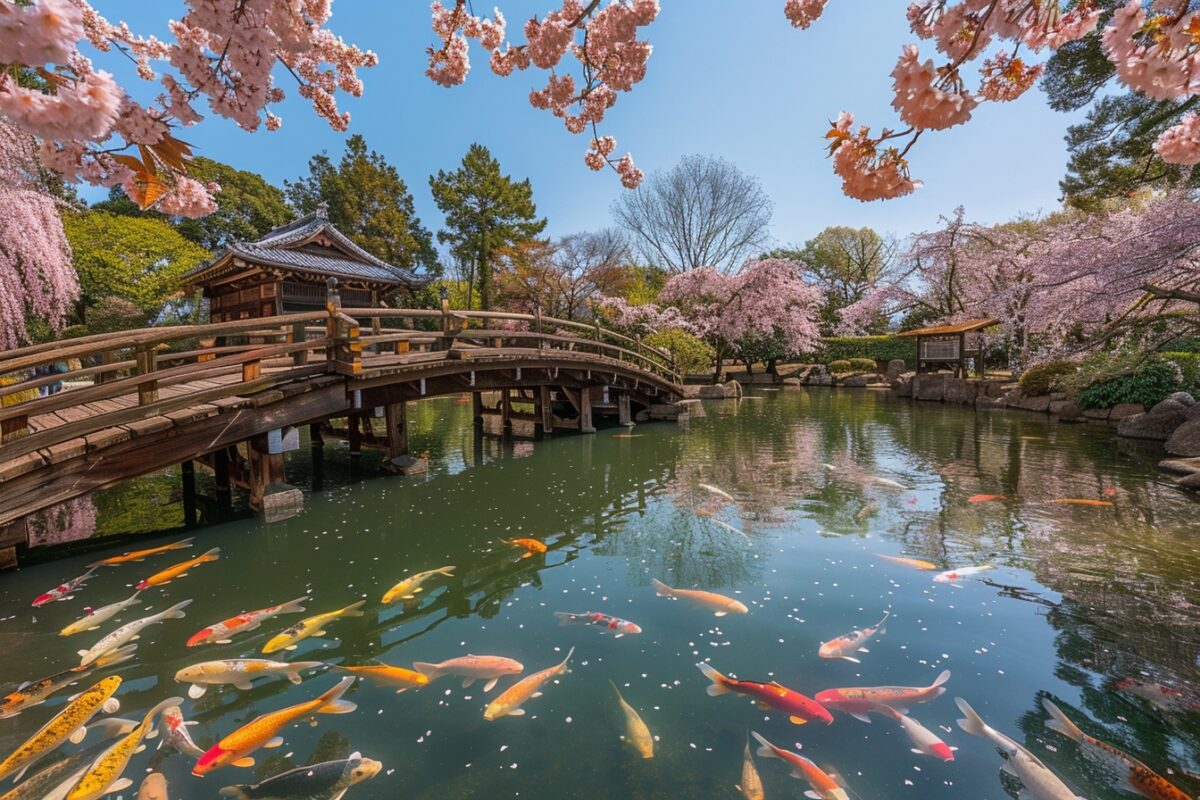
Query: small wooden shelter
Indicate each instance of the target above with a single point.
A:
(948, 346)
(288, 269)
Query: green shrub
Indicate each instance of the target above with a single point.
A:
(1044, 377)
(1189, 368)
(876, 348)
(691, 355)
(863, 364)
(840, 366)
(1149, 383)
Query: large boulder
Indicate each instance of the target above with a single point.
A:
(930, 386)
(1182, 397)
(1157, 427)
(1098, 414)
(863, 380)
(960, 390)
(1064, 409)
(1039, 403)
(903, 386)
(1169, 405)
(983, 401)
(895, 369)
(1190, 481)
(1185, 440)
(820, 380)
(1122, 410)
(721, 391)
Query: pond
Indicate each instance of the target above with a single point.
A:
(1088, 604)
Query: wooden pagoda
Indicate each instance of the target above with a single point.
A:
(288, 269)
(948, 346)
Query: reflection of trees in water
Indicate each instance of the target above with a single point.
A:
(65, 522)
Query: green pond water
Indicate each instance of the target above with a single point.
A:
(1083, 598)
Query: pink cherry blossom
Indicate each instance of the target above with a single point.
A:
(802, 13)
(188, 198)
(867, 172)
(1180, 144)
(43, 33)
(1007, 78)
(920, 98)
(79, 109)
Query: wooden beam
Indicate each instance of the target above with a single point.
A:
(396, 417)
(546, 410)
(187, 473)
(585, 411)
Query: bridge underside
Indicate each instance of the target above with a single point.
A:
(42, 478)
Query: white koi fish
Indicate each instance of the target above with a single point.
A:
(887, 483)
(853, 642)
(713, 490)
(953, 575)
(1038, 781)
(94, 617)
(129, 632)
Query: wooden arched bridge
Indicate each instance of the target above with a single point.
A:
(230, 395)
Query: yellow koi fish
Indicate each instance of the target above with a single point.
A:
(66, 724)
(718, 603)
(387, 675)
(178, 570)
(408, 588)
(751, 786)
(235, 748)
(636, 732)
(511, 699)
(138, 555)
(310, 626)
(104, 776)
(1076, 501)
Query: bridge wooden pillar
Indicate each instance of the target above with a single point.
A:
(545, 412)
(396, 417)
(624, 415)
(585, 411)
(354, 436)
(506, 412)
(187, 474)
(270, 495)
(221, 476)
(316, 438)
(477, 409)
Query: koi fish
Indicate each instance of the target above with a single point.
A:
(628, 435)
(179, 570)
(636, 732)
(925, 742)
(175, 733)
(129, 632)
(1076, 501)
(985, 498)
(223, 631)
(32, 693)
(730, 528)
(64, 591)
(511, 699)
(530, 546)
(800, 709)
(887, 483)
(138, 555)
(1134, 776)
(915, 563)
(93, 617)
(387, 675)
(1039, 782)
(472, 668)
(843, 646)
(104, 776)
(866, 511)
(310, 626)
(329, 779)
(718, 603)
(1159, 695)
(713, 490)
(860, 701)
(154, 787)
(824, 787)
(53, 782)
(235, 749)
(66, 724)
(952, 575)
(621, 626)
(239, 673)
(751, 786)
(704, 512)
(408, 588)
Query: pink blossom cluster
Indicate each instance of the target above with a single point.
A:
(866, 172)
(599, 151)
(43, 33)
(1155, 54)
(1006, 77)
(36, 274)
(919, 99)
(1180, 144)
(642, 319)
(189, 197)
(79, 109)
(802, 13)
(603, 41)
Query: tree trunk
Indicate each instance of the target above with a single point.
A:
(772, 369)
(719, 360)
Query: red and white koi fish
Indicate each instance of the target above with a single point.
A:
(222, 632)
(93, 618)
(615, 624)
(64, 591)
(953, 575)
(175, 733)
(1162, 697)
(860, 701)
(853, 642)
(925, 742)
(824, 787)
(799, 708)
(1134, 776)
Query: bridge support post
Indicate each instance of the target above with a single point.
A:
(623, 410)
(316, 438)
(221, 477)
(545, 412)
(270, 495)
(477, 410)
(354, 436)
(585, 411)
(506, 427)
(187, 474)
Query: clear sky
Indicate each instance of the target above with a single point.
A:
(728, 78)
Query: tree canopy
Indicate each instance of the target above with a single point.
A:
(486, 212)
(369, 202)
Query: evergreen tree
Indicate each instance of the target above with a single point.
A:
(486, 211)
(369, 202)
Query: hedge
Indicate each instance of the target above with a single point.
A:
(876, 348)
(1041, 379)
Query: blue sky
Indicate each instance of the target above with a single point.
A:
(728, 78)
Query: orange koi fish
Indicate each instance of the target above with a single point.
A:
(915, 563)
(800, 709)
(1076, 501)
(530, 546)
(509, 703)
(387, 675)
(824, 787)
(179, 570)
(235, 749)
(985, 498)
(138, 555)
(1135, 776)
